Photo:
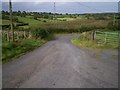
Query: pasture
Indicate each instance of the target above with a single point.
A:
(38, 29)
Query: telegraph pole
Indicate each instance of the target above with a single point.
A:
(12, 31)
(54, 11)
(114, 20)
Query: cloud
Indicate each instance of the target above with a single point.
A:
(36, 3)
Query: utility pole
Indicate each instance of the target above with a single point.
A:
(54, 11)
(12, 31)
(114, 20)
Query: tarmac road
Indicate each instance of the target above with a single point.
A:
(60, 64)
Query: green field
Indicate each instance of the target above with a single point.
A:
(5, 22)
(66, 19)
(31, 22)
(59, 23)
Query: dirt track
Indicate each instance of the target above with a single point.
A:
(60, 64)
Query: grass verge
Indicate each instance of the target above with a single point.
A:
(86, 43)
(16, 49)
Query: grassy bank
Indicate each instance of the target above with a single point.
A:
(16, 49)
(87, 43)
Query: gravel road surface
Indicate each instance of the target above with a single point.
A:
(60, 64)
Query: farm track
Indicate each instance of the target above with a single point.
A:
(60, 64)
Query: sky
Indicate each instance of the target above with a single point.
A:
(61, 0)
(64, 7)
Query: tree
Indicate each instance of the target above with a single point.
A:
(12, 31)
(46, 16)
(35, 17)
(71, 16)
(18, 13)
(7, 13)
(23, 14)
(50, 13)
(66, 13)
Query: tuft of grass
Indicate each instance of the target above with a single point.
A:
(97, 55)
(115, 55)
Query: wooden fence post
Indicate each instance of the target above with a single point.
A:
(94, 35)
(24, 34)
(30, 34)
(8, 38)
(105, 37)
(17, 35)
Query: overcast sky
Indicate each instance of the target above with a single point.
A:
(61, 0)
(64, 7)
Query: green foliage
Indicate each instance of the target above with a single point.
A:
(5, 17)
(46, 16)
(41, 33)
(44, 21)
(15, 19)
(112, 26)
(15, 49)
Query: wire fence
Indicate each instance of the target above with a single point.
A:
(107, 37)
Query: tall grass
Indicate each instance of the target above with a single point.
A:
(15, 49)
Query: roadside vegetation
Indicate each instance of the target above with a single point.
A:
(88, 42)
(16, 49)
(22, 45)
(33, 29)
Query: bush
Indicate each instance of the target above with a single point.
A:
(5, 26)
(6, 17)
(112, 27)
(40, 33)
(44, 21)
(22, 24)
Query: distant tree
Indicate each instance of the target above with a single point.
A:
(46, 16)
(70, 15)
(7, 13)
(35, 17)
(50, 13)
(18, 13)
(87, 16)
(51, 17)
(66, 13)
(23, 14)
(3, 12)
